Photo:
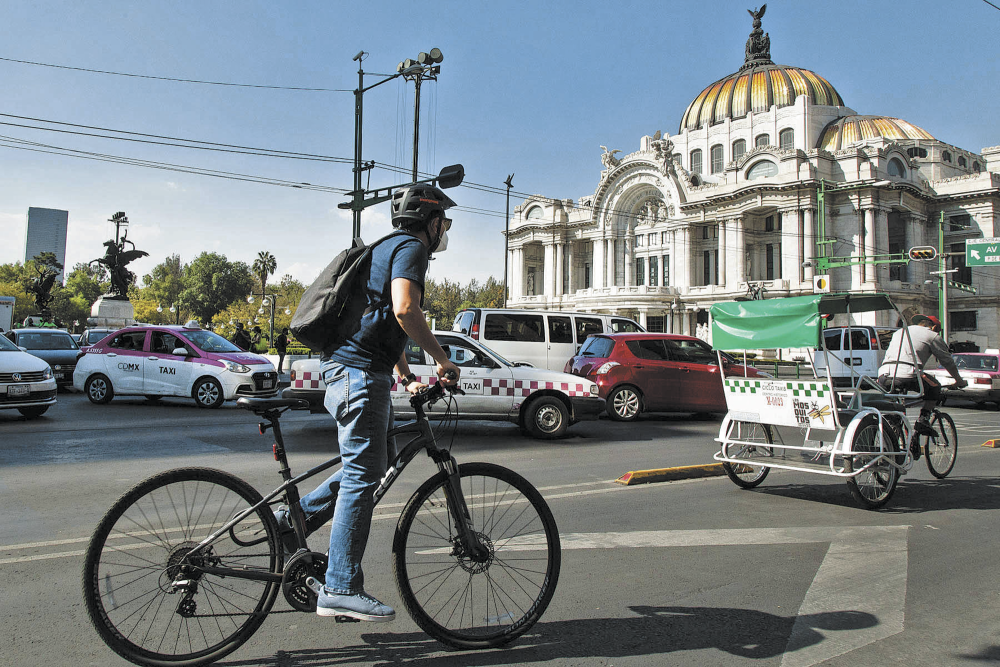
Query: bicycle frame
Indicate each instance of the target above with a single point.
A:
(424, 440)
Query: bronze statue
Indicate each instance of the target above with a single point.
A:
(115, 259)
(41, 287)
(758, 49)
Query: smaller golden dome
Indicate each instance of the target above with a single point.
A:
(848, 130)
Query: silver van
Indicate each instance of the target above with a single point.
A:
(539, 338)
(860, 348)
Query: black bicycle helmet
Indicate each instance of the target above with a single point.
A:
(417, 204)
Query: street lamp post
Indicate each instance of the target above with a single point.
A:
(425, 67)
(266, 300)
(506, 237)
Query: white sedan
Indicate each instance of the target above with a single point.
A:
(543, 403)
(26, 382)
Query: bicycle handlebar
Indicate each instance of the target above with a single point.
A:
(435, 392)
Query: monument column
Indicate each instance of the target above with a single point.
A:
(597, 271)
(808, 244)
(869, 269)
(723, 250)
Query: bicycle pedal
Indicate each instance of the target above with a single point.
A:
(340, 618)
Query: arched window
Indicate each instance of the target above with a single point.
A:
(976, 168)
(696, 161)
(786, 138)
(536, 213)
(716, 154)
(762, 140)
(916, 151)
(946, 156)
(739, 148)
(762, 169)
(962, 162)
(896, 168)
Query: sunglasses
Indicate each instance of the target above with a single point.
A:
(447, 223)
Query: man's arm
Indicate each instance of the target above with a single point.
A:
(406, 307)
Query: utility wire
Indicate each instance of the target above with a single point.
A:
(991, 4)
(167, 78)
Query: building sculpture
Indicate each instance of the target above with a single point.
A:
(730, 204)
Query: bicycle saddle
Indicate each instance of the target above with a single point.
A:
(261, 404)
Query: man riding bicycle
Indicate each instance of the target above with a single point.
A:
(358, 376)
(899, 369)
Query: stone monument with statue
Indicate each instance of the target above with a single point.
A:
(114, 309)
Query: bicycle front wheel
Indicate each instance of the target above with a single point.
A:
(942, 449)
(875, 484)
(145, 584)
(469, 603)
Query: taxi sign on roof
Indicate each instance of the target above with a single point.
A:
(982, 252)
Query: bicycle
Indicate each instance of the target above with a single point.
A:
(186, 565)
(940, 450)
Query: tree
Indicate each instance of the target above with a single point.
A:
(211, 282)
(85, 282)
(165, 282)
(263, 266)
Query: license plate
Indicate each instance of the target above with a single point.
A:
(267, 384)
(18, 390)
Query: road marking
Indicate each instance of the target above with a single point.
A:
(864, 572)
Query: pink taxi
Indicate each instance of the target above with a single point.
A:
(163, 361)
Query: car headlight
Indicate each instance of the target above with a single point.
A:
(47, 375)
(593, 390)
(234, 367)
(605, 367)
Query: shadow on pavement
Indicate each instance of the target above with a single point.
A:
(653, 632)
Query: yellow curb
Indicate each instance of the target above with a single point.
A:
(991, 443)
(671, 474)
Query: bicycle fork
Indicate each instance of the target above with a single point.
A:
(467, 542)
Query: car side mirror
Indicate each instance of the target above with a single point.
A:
(181, 352)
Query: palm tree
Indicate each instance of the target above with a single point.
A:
(264, 266)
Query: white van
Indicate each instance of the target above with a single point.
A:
(859, 347)
(540, 338)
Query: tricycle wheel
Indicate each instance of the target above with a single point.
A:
(748, 475)
(874, 486)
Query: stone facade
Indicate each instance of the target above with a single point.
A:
(691, 219)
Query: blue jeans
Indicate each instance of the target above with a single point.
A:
(359, 401)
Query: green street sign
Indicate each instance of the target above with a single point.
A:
(982, 252)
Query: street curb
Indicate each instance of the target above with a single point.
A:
(991, 443)
(671, 474)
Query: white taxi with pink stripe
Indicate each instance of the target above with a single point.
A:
(543, 403)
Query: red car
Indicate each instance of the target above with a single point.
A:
(654, 372)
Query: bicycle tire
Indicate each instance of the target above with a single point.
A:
(746, 475)
(462, 603)
(873, 487)
(139, 550)
(941, 452)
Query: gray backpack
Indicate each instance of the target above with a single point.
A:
(317, 322)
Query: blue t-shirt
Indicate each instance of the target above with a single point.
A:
(377, 342)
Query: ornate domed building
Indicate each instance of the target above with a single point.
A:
(769, 178)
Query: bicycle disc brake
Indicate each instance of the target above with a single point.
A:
(299, 568)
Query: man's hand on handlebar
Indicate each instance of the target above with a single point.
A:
(448, 374)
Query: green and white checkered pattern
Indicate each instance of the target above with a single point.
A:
(743, 386)
(807, 389)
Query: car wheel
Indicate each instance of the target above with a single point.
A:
(547, 417)
(99, 389)
(34, 411)
(624, 404)
(208, 393)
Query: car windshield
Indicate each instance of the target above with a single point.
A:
(497, 356)
(7, 346)
(975, 362)
(47, 340)
(94, 336)
(210, 342)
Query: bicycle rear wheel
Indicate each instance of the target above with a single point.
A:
(941, 450)
(462, 602)
(873, 486)
(150, 598)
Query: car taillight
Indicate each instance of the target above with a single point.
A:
(874, 343)
(983, 381)
(605, 367)
(292, 374)
(475, 331)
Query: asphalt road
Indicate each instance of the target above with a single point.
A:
(695, 572)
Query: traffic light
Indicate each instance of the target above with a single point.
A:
(923, 253)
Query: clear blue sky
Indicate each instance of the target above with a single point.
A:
(532, 88)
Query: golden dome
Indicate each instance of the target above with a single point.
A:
(754, 89)
(852, 129)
